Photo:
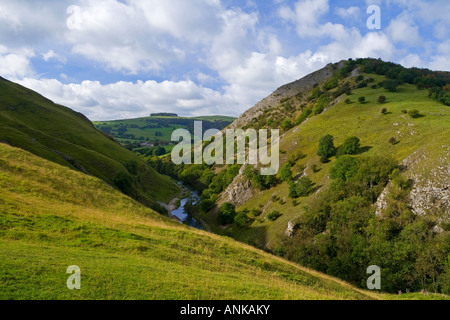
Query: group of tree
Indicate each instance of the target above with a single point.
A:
(340, 234)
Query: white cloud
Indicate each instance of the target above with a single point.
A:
(15, 64)
(306, 15)
(348, 13)
(129, 100)
(50, 54)
(403, 30)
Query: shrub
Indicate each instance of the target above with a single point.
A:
(305, 114)
(302, 188)
(362, 99)
(286, 124)
(351, 145)
(344, 168)
(414, 114)
(326, 147)
(227, 213)
(381, 99)
(241, 219)
(274, 215)
(392, 141)
(384, 111)
(255, 212)
(404, 111)
(123, 182)
(348, 101)
(286, 172)
(330, 84)
(391, 85)
(362, 85)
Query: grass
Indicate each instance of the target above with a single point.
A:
(428, 136)
(59, 134)
(52, 217)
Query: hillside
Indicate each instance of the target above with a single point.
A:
(52, 217)
(145, 135)
(59, 134)
(383, 200)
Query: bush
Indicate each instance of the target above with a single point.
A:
(241, 219)
(286, 172)
(344, 168)
(326, 147)
(305, 114)
(362, 99)
(351, 145)
(404, 111)
(348, 101)
(123, 181)
(274, 215)
(286, 124)
(362, 85)
(384, 111)
(302, 188)
(227, 213)
(392, 141)
(391, 85)
(381, 99)
(414, 114)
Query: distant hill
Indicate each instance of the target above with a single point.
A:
(146, 134)
(59, 134)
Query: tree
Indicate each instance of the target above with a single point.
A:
(286, 172)
(391, 85)
(326, 147)
(381, 99)
(345, 168)
(384, 111)
(286, 124)
(351, 145)
(227, 213)
(241, 219)
(362, 99)
(160, 151)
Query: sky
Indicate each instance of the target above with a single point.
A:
(117, 59)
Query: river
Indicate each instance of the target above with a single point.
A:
(181, 213)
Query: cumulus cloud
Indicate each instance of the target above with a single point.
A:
(15, 63)
(219, 58)
(306, 16)
(348, 13)
(129, 100)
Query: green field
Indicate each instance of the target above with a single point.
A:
(157, 128)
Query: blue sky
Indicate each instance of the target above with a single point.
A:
(112, 59)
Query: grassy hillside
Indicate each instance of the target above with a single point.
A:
(387, 202)
(156, 130)
(426, 135)
(52, 217)
(61, 135)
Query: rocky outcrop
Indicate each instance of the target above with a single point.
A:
(301, 86)
(430, 193)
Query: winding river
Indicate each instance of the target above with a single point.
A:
(181, 213)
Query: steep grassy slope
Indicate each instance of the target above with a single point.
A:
(52, 217)
(427, 138)
(57, 133)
